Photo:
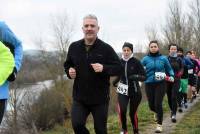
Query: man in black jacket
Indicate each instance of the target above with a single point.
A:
(91, 62)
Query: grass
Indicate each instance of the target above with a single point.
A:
(145, 117)
(190, 124)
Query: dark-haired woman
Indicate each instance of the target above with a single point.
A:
(173, 87)
(156, 66)
(128, 88)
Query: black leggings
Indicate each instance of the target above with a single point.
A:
(2, 108)
(80, 113)
(122, 109)
(182, 97)
(172, 95)
(155, 93)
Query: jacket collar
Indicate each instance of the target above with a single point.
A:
(128, 58)
(154, 54)
(93, 45)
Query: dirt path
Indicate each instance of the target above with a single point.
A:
(168, 126)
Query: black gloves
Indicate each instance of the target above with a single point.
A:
(115, 84)
(13, 75)
(136, 77)
(115, 81)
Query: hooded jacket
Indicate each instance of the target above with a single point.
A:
(6, 35)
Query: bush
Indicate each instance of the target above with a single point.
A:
(51, 106)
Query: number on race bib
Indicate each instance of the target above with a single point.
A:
(190, 71)
(122, 89)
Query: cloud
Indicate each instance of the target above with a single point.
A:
(120, 20)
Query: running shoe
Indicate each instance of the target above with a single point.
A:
(173, 118)
(159, 128)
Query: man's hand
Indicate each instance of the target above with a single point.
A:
(97, 67)
(72, 73)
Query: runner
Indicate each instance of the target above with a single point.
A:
(156, 65)
(8, 38)
(128, 88)
(173, 87)
(91, 62)
(198, 79)
(182, 99)
(192, 76)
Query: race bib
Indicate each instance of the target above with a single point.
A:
(122, 89)
(160, 75)
(190, 71)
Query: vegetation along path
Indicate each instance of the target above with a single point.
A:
(168, 126)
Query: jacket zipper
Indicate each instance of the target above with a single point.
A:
(126, 73)
(154, 60)
(87, 56)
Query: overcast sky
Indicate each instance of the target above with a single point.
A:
(119, 20)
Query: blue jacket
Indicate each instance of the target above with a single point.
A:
(6, 35)
(158, 63)
(187, 62)
(187, 65)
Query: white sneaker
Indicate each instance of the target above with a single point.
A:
(123, 132)
(159, 128)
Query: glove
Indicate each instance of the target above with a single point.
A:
(134, 77)
(13, 75)
(115, 84)
(169, 78)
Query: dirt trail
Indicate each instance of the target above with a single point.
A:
(168, 126)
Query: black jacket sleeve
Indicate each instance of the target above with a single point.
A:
(141, 75)
(112, 66)
(68, 63)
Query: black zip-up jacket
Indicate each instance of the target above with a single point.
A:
(91, 87)
(133, 71)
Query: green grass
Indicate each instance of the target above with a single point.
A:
(145, 117)
(190, 124)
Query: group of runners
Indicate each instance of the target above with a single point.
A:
(90, 62)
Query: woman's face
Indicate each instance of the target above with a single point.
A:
(173, 49)
(126, 52)
(153, 48)
(193, 56)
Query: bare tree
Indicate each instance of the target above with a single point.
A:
(195, 16)
(178, 28)
(152, 32)
(62, 29)
(31, 114)
(14, 121)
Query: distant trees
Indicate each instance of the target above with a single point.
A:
(62, 29)
(32, 112)
(195, 16)
(181, 27)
